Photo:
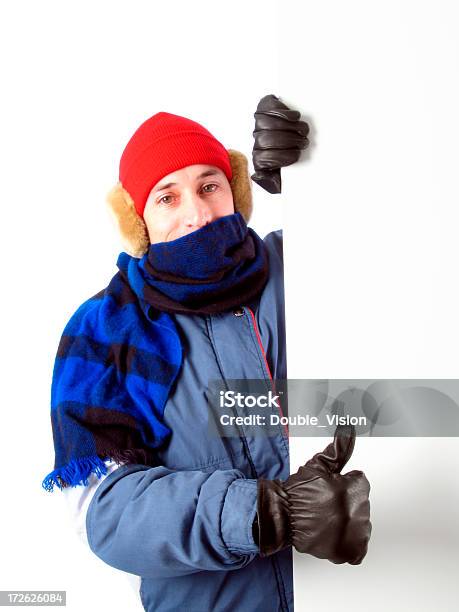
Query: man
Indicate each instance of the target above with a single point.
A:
(206, 522)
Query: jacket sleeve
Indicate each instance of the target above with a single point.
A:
(155, 522)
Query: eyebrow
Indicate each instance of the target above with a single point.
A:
(204, 174)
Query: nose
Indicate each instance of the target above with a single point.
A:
(197, 212)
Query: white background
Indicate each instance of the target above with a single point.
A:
(371, 249)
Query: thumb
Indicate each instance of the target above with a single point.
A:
(336, 454)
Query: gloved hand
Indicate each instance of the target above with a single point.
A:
(279, 138)
(318, 510)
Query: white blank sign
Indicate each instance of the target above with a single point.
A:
(371, 251)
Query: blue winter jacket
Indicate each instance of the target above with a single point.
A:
(186, 527)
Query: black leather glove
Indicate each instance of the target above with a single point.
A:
(318, 510)
(279, 137)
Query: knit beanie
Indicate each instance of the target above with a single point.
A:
(162, 144)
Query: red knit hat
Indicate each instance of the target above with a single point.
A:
(162, 144)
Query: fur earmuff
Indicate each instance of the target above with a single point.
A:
(132, 227)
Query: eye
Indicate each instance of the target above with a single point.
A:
(211, 185)
(161, 200)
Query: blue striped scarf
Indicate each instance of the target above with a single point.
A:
(120, 352)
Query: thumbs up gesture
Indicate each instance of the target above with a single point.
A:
(318, 510)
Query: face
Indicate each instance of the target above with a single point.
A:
(186, 200)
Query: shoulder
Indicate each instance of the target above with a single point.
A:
(274, 288)
(274, 245)
(104, 306)
(114, 317)
(86, 312)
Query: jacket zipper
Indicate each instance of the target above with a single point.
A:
(274, 562)
(276, 568)
(273, 387)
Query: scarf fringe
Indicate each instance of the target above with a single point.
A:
(77, 471)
